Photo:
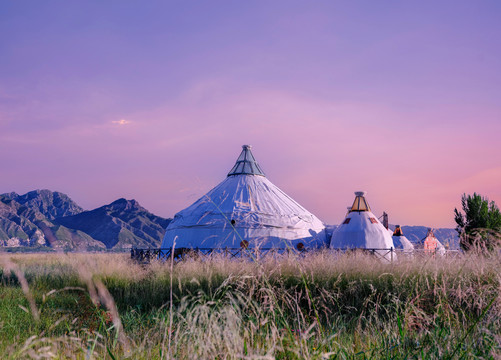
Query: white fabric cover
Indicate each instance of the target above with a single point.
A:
(263, 215)
(361, 233)
(401, 242)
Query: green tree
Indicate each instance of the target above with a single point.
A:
(480, 223)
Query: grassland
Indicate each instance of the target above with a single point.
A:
(317, 306)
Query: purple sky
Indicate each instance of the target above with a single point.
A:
(152, 100)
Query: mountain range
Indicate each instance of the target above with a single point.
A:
(44, 219)
(448, 237)
(50, 220)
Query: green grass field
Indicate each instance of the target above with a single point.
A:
(319, 306)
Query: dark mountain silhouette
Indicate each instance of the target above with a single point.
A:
(448, 237)
(45, 219)
(23, 226)
(52, 204)
(123, 223)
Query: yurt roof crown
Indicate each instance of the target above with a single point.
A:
(398, 231)
(246, 164)
(360, 203)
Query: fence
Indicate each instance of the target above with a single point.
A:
(148, 254)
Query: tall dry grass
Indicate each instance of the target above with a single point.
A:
(313, 306)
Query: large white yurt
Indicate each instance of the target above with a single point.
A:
(361, 229)
(245, 210)
(400, 241)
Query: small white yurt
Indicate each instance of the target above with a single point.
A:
(362, 230)
(401, 242)
(245, 210)
(431, 244)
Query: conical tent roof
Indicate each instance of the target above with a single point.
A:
(431, 243)
(361, 229)
(245, 210)
(400, 241)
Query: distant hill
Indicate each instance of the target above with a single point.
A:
(15, 228)
(43, 219)
(52, 204)
(448, 237)
(24, 226)
(121, 224)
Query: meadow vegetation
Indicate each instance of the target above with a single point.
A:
(314, 306)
